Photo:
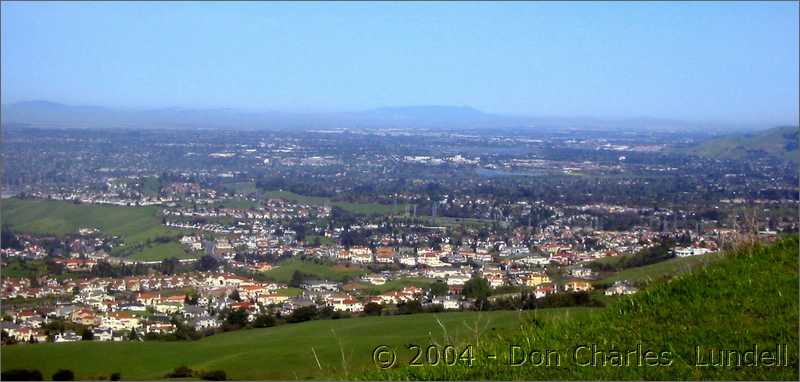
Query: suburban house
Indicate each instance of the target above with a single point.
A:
(576, 285)
(620, 287)
(68, 336)
(543, 290)
(344, 303)
(690, 251)
(385, 255)
(360, 255)
(120, 321)
(533, 279)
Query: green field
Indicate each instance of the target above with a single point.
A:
(356, 208)
(396, 285)
(748, 298)
(660, 271)
(242, 187)
(19, 268)
(285, 352)
(283, 272)
(234, 203)
(137, 226)
(451, 222)
(291, 292)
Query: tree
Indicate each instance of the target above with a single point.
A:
(214, 375)
(373, 309)
(236, 318)
(103, 269)
(64, 375)
(8, 239)
(302, 314)
(181, 372)
(168, 266)
(22, 375)
(477, 288)
(235, 295)
(409, 307)
(439, 288)
(207, 263)
(326, 312)
(300, 229)
(191, 298)
(87, 334)
(264, 321)
(298, 278)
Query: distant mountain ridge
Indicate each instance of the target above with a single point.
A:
(779, 142)
(42, 113)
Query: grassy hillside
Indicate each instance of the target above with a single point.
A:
(283, 272)
(284, 352)
(660, 271)
(781, 142)
(137, 226)
(748, 298)
(356, 208)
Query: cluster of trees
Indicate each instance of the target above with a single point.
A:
(36, 375)
(8, 239)
(527, 301)
(186, 372)
(646, 256)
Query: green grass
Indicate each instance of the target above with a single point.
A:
(234, 203)
(396, 285)
(747, 298)
(283, 272)
(161, 251)
(660, 271)
(285, 352)
(291, 292)
(242, 187)
(451, 222)
(25, 269)
(356, 208)
(135, 225)
(323, 241)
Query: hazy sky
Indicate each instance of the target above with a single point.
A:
(709, 61)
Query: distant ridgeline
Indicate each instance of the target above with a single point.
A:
(780, 143)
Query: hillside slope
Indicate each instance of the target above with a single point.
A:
(779, 142)
(308, 350)
(139, 227)
(748, 299)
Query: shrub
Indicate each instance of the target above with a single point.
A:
(214, 375)
(64, 375)
(302, 314)
(22, 375)
(115, 376)
(181, 372)
(373, 309)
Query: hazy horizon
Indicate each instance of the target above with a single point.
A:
(722, 62)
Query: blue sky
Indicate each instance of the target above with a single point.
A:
(707, 61)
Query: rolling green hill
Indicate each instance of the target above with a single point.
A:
(779, 142)
(137, 226)
(356, 208)
(316, 349)
(284, 271)
(747, 299)
(660, 271)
